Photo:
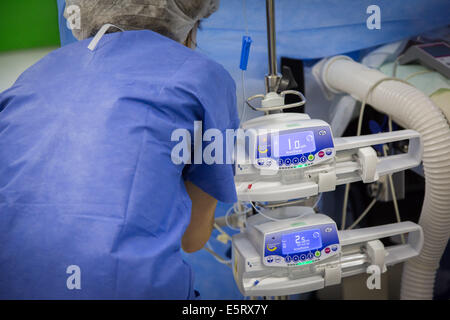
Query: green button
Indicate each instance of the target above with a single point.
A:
(311, 157)
(317, 253)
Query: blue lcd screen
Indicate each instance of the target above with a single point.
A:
(295, 143)
(301, 241)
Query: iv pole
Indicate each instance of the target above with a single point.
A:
(272, 78)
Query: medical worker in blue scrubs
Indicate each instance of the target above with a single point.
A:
(91, 204)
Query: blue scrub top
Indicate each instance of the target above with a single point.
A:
(86, 177)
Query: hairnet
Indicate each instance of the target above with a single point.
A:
(171, 18)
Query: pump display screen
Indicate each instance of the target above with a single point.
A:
(301, 241)
(295, 143)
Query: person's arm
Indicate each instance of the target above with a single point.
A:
(202, 219)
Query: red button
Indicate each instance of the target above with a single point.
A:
(321, 154)
(327, 250)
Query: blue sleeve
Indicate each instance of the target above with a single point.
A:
(216, 92)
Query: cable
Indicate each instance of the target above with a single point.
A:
(317, 201)
(344, 206)
(365, 212)
(282, 204)
(209, 249)
(244, 11)
(285, 203)
(256, 282)
(227, 214)
(250, 185)
(358, 132)
(394, 70)
(226, 219)
(394, 196)
(391, 182)
(244, 100)
(260, 212)
(394, 67)
(364, 102)
(268, 217)
(417, 74)
(221, 230)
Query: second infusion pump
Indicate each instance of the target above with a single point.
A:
(299, 243)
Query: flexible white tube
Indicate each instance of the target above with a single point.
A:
(412, 109)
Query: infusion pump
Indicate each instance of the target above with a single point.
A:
(289, 156)
(286, 143)
(306, 241)
(295, 144)
(290, 249)
(303, 251)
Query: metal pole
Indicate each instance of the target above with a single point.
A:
(271, 37)
(272, 79)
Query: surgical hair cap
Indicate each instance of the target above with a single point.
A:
(171, 18)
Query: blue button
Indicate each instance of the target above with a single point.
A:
(329, 152)
(287, 259)
(269, 259)
(295, 161)
(334, 248)
(303, 257)
(280, 162)
(303, 159)
(260, 162)
(287, 161)
(310, 255)
(295, 258)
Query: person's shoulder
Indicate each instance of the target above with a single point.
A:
(166, 50)
(183, 67)
(207, 64)
(205, 71)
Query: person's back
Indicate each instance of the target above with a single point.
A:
(87, 185)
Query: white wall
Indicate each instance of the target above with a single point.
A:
(13, 63)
